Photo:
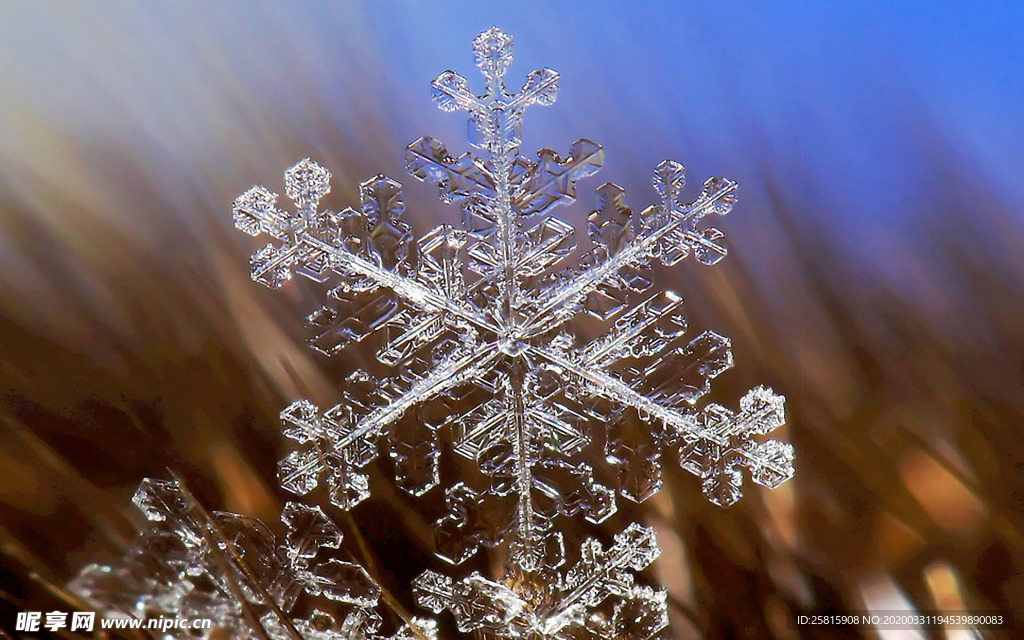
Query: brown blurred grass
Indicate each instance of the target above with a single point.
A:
(120, 361)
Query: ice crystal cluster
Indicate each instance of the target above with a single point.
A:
(476, 324)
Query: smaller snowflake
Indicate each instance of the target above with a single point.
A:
(229, 569)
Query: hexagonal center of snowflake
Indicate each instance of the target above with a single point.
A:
(514, 347)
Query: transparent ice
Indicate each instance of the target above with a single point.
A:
(477, 325)
(191, 563)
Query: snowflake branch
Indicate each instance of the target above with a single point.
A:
(556, 304)
(423, 297)
(605, 384)
(635, 548)
(522, 447)
(448, 374)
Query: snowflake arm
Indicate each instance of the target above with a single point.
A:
(672, 235)
(341, 442)
(482, 604)
(313, 243)
(715, 442)
(717, 462)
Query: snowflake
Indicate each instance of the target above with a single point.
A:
(476, 328)
(228, 569)
(477, 320)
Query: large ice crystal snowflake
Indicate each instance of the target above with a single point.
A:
(477, 327)
(477, 322)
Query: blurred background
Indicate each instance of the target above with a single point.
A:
(875, 274)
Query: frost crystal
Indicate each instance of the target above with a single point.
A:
(229, 569)
(476, 324)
